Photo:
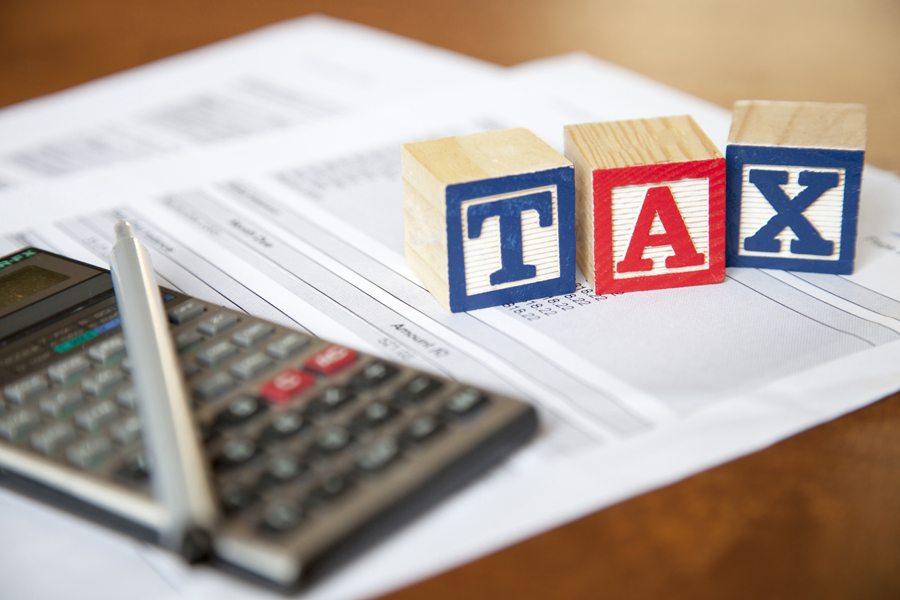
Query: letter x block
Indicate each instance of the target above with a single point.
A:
(650, 204)
(794, 172)
(489, 218)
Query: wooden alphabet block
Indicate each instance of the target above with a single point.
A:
(793, 172)
(650, 204)
(489, 218)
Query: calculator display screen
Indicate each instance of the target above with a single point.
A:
(27, 282)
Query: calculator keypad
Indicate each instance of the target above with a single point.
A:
(293, 426)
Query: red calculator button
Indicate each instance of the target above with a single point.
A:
(286, 385)
(330, 360)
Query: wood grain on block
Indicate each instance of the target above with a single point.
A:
(799, 124)
(649, 204)
(794, 171)
(489, 218)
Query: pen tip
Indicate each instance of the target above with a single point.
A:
(123, 230)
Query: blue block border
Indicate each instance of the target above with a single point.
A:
(850, 160)
(564, 180)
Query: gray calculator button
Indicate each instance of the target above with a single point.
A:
(107, 349)
(69, 368)
(253, 334)
(287, 346)
(26, 389)
(212, 356)
(186, 339)
(19, 424)
(50, 439)
(382, 453)
(95, 417)
(251, 366)
(185, 312)
(127, 396)
(103, 381)
(127, 430)
(62, 402)
(90, 452)
(333, 439)
(214, 386)
(218, 323)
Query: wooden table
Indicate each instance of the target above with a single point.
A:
(817, 515)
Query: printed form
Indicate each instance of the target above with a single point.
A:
(302, 225)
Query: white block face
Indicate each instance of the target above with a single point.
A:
(825, 214)
(692, 199)
(540, 245)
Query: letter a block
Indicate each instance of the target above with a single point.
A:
(650, 204)
(489, 218)
(794, 172)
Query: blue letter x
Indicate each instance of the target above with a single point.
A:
(509, 211)
(790, 212)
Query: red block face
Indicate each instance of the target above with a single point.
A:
(659, 226)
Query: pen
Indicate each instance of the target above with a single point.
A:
(179, 474)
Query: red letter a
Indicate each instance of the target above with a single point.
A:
(659, 201)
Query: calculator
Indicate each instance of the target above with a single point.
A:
(314, 450)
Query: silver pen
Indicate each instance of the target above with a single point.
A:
(179, 473)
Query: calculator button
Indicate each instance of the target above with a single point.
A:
(26, 389)
(374, 415)
(127, 396)
(373, 375)
(332, 398)
(287, 346)
(239, 412)
(330, 360)
(126, 431)
(103, 381)
(89, 453)
(464, 402)
(236, 453)
(65, 370)
(134, 472)
(422, 429)
(285, 385)
(19, 424)
(281, 516)
(213, 387)
(238, 499)
(251, 366)
(214, 355)
(282, 469)
(283, 426)
(252, 335)
(94, 418)
(108, 349)
(186, 311)
(219, 322)
(330, 487)
(186, 339)
(333, 439)
(418, 389)
(61, 403)
(50, 439)
(378, 456)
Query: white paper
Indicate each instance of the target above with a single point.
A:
(635, 390)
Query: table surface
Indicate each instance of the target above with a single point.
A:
(817, 515)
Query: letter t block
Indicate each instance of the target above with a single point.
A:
(650, 204)
(489, 218)
(794, 173)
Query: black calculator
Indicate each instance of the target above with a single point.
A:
(314, 450)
